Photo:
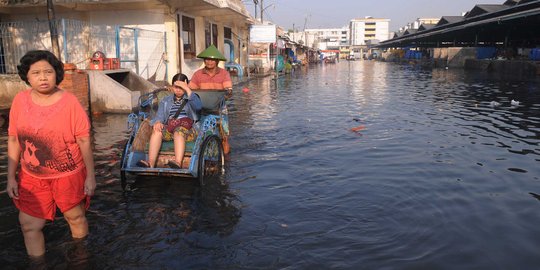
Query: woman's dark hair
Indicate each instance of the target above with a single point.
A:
(32, 57)
(180, 77)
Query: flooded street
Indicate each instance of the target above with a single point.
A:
(354, 165)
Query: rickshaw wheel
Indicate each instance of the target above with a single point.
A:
(211, 160)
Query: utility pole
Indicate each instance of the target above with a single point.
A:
(256, 2)
(262, 10)
(293, 32)
(52, 29)
(304, 33)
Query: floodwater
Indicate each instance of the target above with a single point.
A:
(354, 165)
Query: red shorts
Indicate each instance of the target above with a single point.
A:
(40, 197)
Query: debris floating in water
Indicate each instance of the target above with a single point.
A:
(245, 89)
(514, 102)
(494, 104)
(358, 129)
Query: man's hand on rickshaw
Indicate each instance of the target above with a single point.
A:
(229, 93)
(158, 126)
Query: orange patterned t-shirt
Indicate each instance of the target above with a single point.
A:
(47, 135)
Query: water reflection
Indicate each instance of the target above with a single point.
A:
(437, 179)
(435, 163)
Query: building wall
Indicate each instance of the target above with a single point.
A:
(88, 32)
(156, 31)
(189, 66)
(366, 29)
(382, 30)
(327, 38)
(99, 34)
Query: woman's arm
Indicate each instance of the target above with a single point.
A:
(14, 155)
(194, 102)
(162, 113)
(88, 158)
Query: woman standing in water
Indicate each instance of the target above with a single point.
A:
(49, 136)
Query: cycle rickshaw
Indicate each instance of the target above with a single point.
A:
(204, 157)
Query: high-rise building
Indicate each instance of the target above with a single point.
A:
(368, 30)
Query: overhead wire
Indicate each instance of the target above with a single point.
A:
(323, 19)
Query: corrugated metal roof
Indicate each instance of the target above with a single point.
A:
(483, 9)
(512, 25)
(449, 19)
(425, 26)
(511, 2)
(410, 31)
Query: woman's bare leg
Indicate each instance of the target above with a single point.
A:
(179, 147)
(76, 219)
(153, 148)
(32, 229)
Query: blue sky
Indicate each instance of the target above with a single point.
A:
(338, 13)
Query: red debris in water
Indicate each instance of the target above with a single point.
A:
(245, 90)
(358, 128)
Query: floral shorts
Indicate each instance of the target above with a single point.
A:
(189, 134)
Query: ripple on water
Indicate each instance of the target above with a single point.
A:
(432, 178)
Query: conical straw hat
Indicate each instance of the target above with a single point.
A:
(212, 53)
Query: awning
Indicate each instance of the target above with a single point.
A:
(219, 10)
(229, 11)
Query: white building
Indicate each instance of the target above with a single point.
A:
(426, 21)
(417, 23)
(328, 38)
(368, 29)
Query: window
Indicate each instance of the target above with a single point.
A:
(227, 32)
(3, 66)
(211, 34)
(188, 37)
(214, 34)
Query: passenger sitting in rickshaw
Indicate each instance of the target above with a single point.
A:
(174, 121)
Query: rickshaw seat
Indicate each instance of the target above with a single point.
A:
(168, 146)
